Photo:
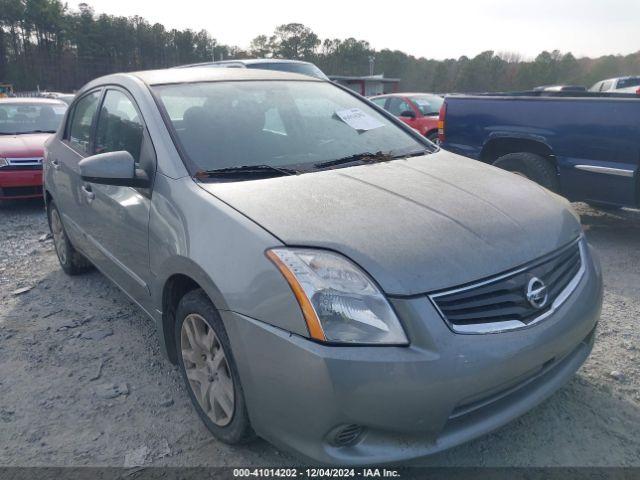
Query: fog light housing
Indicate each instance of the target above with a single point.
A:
(345, 435)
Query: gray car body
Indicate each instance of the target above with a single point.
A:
(416, 226)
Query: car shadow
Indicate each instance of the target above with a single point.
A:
(22, 206)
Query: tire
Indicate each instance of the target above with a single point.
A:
(532, 166)
(204, 335)
(71, 261)
(432, 136)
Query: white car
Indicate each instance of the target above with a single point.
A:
(616, 84)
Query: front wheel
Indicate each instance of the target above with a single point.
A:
(71, 261)
(532, 166)
(209, 370)
(433, 137)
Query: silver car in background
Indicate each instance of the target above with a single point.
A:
(277, 64)
(322, 275)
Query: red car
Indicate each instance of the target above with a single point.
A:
(25, 124)
(418, 110)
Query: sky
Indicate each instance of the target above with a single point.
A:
(427, 28)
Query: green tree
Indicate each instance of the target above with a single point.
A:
(295, 41)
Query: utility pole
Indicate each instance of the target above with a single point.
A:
(372, 62)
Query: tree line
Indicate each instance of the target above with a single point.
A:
(45, 44)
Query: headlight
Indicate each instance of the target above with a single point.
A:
(340, 303)
(3, 162)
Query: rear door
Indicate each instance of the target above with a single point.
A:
(119, 216)
(63, 165)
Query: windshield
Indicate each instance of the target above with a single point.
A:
(17, 118)
(277, 124)
(429, 105)
(303, 68)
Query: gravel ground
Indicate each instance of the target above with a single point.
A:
(83, 382)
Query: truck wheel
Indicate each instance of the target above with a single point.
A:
(71, 261)
(209, 370)
(532, 166)
(433, 137)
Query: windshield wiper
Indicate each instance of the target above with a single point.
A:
(27, 132)
(247, 170)
(366, 157)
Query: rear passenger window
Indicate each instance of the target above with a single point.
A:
(119, 126)
(79, 132)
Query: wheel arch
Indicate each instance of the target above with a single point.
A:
(181, 276)
(499, 146)
(430, 131)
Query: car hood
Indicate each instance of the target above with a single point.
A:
(26, 145)
(416, 225)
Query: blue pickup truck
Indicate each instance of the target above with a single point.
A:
(585, 146)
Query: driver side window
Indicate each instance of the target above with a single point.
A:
(119, 126)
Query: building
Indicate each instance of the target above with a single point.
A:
(368, 85)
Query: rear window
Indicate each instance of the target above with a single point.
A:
(275, 123)
(20, 118)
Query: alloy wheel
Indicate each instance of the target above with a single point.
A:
(207, 369)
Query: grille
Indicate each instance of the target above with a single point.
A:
(501, 303)
(25, 162)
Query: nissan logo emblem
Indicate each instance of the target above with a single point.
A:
(537, 293)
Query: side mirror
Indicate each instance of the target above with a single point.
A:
(113, 168)
(408, 114)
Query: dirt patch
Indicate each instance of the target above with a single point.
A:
(83, 381)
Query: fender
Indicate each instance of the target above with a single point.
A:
(179, 265)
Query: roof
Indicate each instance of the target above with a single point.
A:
(31, 100)
(245, 61)
(407, 94)
(365, 78)
(248, 61)
(189, 75)
(618, 78)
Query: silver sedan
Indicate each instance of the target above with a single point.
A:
(322, 275)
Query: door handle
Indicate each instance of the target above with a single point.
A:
(86, 189)
(55, 164)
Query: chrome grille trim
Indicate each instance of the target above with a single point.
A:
(515, 324)
(24, 162)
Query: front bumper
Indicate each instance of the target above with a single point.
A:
(16, 184)
(442, 390)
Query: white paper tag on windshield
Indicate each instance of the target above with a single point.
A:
(358, 120)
